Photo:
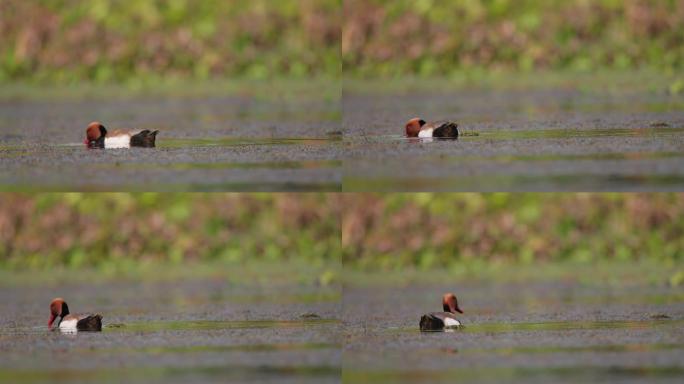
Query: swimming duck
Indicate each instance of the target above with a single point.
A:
(417, 127)
(98, 137)
(72, 323)
(438, 321)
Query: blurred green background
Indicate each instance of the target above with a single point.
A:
(373, 232)
(429, 231)
(119, 230)
(66, 41)
(444, 37)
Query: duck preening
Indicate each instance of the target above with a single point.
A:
(418, 127)
(66, 322)
(97, 136)
(438, 321)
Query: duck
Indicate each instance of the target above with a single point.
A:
(97, 136)
(417, 127)
(67, 322)
(439, 321)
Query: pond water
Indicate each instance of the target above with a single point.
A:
(205, 143)
(512, 140)
(516, 140)
(174, 332)
(515, 332)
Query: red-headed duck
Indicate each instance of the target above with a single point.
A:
(417, 127)
(66, 322)
(98, 137)
(438, 321)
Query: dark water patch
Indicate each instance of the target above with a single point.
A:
(223, 373)
(309, 315)
(191, 349)
(218, 187)
(646, 348)
(225, 165)
(522, 374)
(194, 187)
(494, 183)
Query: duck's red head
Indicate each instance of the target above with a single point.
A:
(413, 126)
(95, 134)
(450, 303)
(58, 308)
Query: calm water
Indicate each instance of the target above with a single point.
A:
(182, 331)
(218, 143)
(546, 140)
(518, 332)
(558, 140)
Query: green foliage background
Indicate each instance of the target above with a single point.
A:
(364, 231)
(116, 40)
(441, 37)
(425, 230)
(42, 231)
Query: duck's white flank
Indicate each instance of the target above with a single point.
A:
(120, 141)
(449, 322)
(68, 325)
(423, 133)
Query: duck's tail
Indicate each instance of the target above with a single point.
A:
(429, 323)
(90, 323)
(447, 130)
(144, 138)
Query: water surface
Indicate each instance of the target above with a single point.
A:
(207, 330)
(515, 140)
(532, 331)
(205, 143)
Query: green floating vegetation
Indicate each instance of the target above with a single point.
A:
(215, 325)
